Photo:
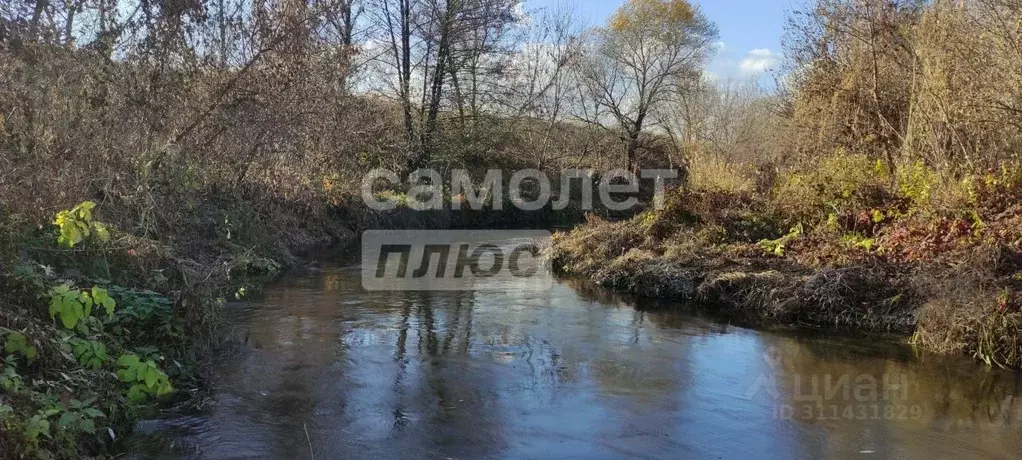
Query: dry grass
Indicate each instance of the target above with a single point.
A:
(976, 329)
(708, 173)
(870, 253)
(621, 256)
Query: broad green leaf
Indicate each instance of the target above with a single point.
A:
(151, 377)
(102, 297)
(67, 420)
(127, 360)
(70, 317)
(86, 301)
(84, 210)
(37, 426)
(15, 342)
(126, 375)
(56, 303)
(136, 393)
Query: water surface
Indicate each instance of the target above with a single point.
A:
(331, 371)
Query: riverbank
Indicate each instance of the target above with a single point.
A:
(111, 309)
(857, 255)
(106, 320)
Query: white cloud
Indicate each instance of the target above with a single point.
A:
(758, 61)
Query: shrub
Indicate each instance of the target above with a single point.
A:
(144, 378)
(711, 174)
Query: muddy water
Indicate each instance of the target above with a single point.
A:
(331, 371)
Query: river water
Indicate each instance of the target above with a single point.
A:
(331, 371)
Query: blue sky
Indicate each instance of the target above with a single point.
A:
(750, 30)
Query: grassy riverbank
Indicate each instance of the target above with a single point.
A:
(194, 180)
(845, 244)
(111, 309)
(101, 323)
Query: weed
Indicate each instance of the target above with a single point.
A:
(144, 378)
(89, 353)
(76, 225)
(777, 247)
(74, 306)
(16, 344)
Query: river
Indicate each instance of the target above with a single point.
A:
(331, 371)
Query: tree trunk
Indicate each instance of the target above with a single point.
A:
(37, 15)
(443, 58)
(72, 8)
(633, 147)
(406, 68)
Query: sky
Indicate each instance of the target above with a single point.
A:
(750, 31)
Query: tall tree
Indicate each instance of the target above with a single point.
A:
(641, 59)
(431, 42)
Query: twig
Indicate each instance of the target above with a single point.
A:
(313, 454)
(80, 250)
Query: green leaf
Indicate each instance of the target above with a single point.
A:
(15, 343)
(68, 304)
(86, 301)
(67, 420)
(102, 297)
(84, 210)
(151, 376)
(70, 318)
(101, 231)
(88, 426)
(56, 305)
(37, 426)
(76, 225)
(136, 393)
(126, 375)
(70, 231)
(127, 360)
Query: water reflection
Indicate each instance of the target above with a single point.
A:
(569, 372)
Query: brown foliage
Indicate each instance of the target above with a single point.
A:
(908, 80)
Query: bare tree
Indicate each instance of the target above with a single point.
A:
(537, 90)
(638, 62)
(431, 42)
